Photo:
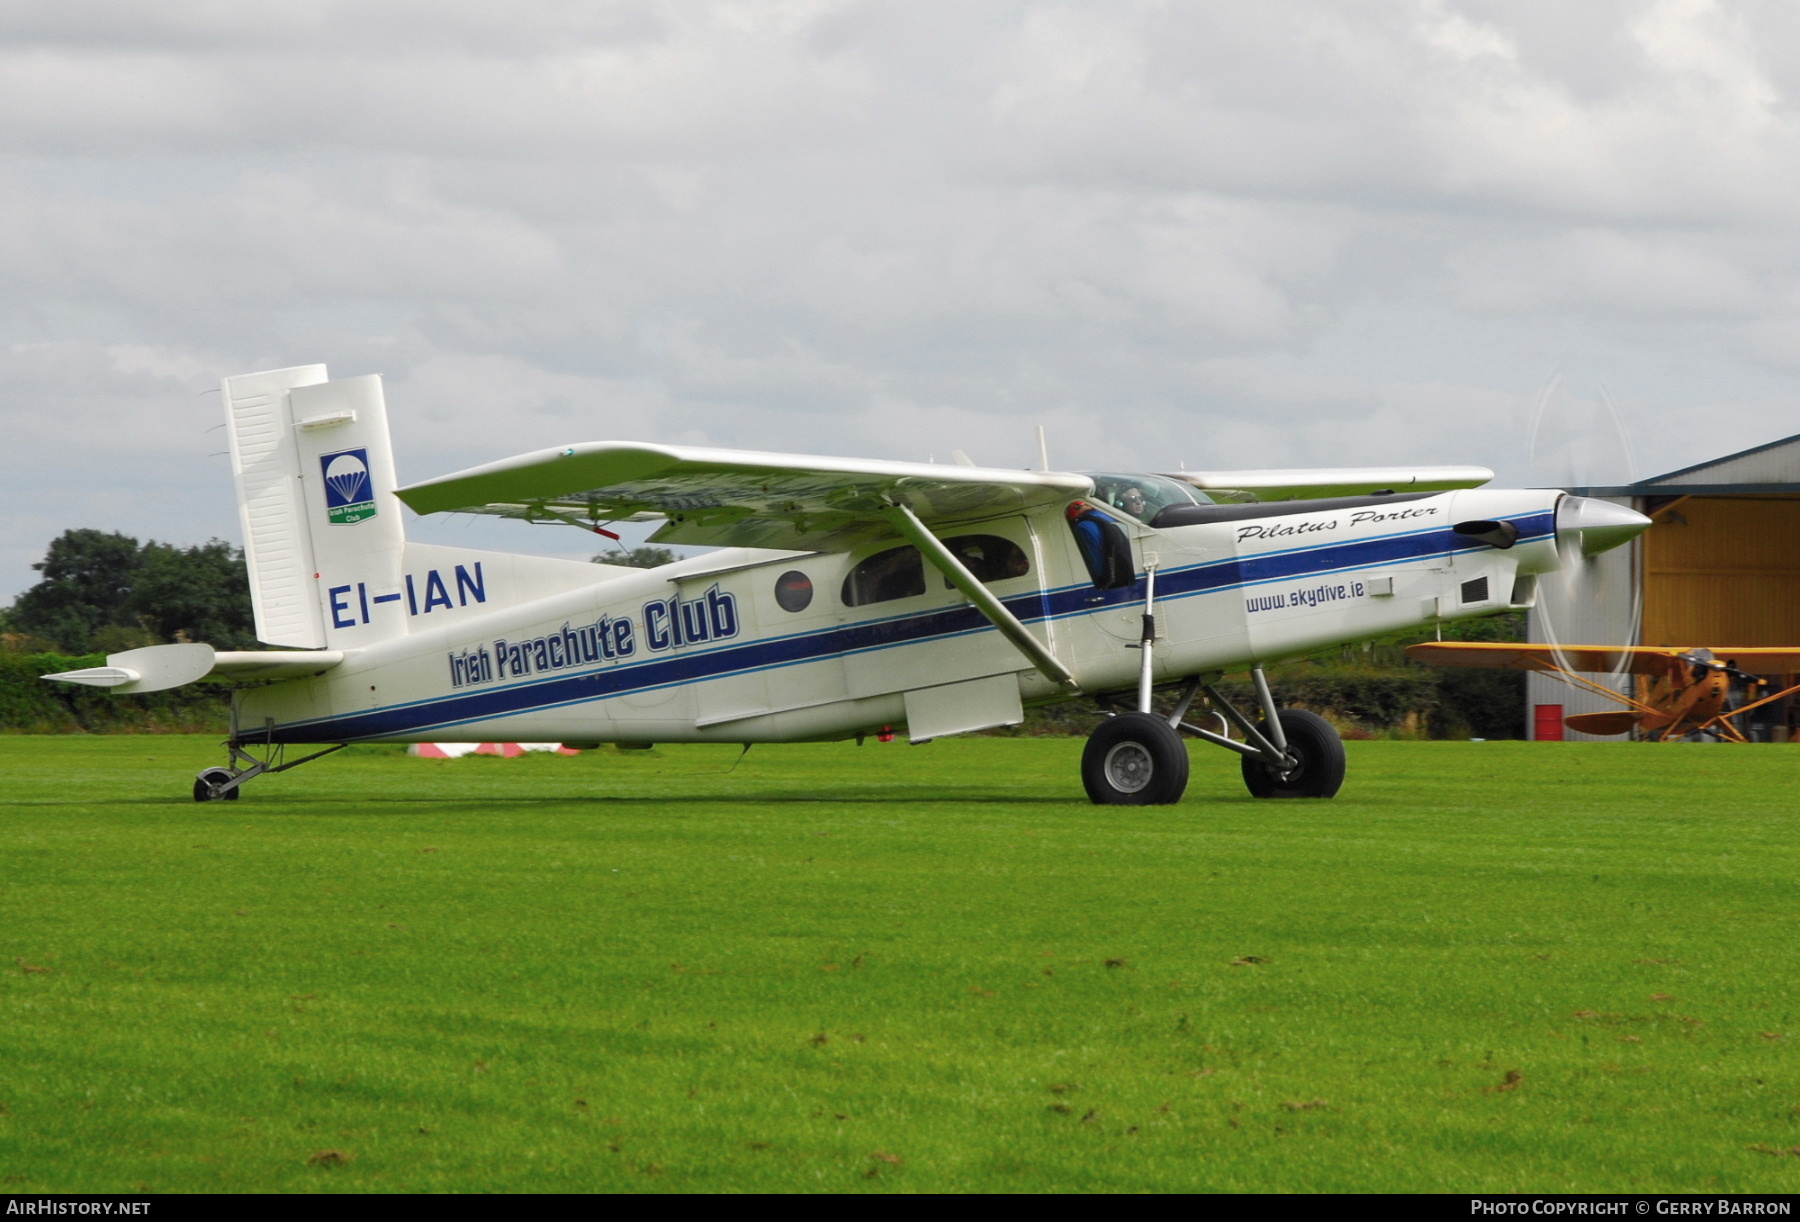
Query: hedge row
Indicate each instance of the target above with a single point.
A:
(1363, 702)
(28, 705)
(1407, 702)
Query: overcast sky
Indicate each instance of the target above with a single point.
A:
(1221, 234)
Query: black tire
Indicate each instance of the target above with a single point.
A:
(1135, 759)
(206, 780)
(1318, 760)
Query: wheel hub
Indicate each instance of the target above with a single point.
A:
(1129, 767)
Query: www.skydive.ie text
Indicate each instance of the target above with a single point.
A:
(1305, 596)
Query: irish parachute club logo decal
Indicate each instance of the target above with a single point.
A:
(349, 495)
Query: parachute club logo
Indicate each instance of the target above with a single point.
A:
(349, 496)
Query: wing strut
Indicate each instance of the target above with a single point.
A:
(946, 562)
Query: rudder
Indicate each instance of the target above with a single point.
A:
(323, 533)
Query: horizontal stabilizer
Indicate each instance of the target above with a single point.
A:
(157, 668)
(1304, 484)
(736, 498)
(275, 663)
(97, 676)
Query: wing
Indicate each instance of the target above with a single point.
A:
(1300, 484)
(736, 498)
(1611, 659)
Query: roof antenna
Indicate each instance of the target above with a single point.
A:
(1043, 450)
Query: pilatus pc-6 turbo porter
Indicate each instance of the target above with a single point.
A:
(845, 597)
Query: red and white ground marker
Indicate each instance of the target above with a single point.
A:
(450, 751)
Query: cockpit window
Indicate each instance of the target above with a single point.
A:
(1143, 496)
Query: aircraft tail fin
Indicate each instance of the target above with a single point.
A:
(323, 532)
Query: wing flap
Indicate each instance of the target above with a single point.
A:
(736, 498)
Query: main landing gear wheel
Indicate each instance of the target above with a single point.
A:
(1135, 759)
(1316, 756)
(214, 776)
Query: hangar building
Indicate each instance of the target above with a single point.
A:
(1720, 566)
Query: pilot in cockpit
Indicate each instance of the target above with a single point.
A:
(1141, 495)
(1131, 500)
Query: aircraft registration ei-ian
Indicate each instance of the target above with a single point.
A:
(846, 596)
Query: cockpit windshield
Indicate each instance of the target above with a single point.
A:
(1143, 496)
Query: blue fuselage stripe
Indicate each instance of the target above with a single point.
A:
(722, 661)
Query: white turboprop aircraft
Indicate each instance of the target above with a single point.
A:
(847, 597)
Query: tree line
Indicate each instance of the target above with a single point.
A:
(105, 592)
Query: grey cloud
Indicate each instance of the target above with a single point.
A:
(1294, 232)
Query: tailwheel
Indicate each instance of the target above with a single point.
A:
(1315, 756)
(205, 782)
(1135, 759)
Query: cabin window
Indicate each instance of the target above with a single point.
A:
(898, 572)
(989, 557)
(793, 591)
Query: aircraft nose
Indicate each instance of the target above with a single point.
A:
(1597, 526)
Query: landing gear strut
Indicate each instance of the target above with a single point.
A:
(223, 784)
(1315, 760)
(1291, 754)
(1138, 759)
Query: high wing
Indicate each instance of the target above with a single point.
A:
(1639, 659)
(1304, 484)
(736, 498)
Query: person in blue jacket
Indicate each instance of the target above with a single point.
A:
(1103, 545)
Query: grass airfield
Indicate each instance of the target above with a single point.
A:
(1484, 967)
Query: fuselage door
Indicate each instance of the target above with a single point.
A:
(904, 626)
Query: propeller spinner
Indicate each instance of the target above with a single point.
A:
(1595, 526)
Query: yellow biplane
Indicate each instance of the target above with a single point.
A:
(1679, 692)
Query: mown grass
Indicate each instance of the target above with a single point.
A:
(1485, 967)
